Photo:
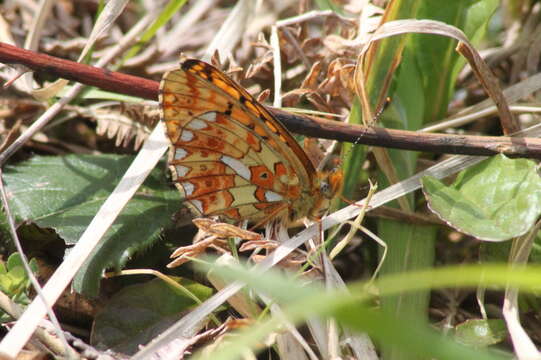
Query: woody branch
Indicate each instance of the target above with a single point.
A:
(374, 136)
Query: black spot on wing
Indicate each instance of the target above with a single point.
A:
(229, 109)
(189, 63)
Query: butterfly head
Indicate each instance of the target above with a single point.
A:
(330, 184)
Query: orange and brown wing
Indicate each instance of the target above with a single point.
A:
(229, 156)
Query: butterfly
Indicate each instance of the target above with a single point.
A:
(230, 157)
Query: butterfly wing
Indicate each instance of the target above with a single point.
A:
(230, 156)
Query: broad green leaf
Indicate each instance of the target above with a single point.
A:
(64, 193)
(480, 332)
(140, 312)
(495, 200)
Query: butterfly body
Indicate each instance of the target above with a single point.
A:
(229, 156)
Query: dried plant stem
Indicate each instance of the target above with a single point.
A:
(374, 136)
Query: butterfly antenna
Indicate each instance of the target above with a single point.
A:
(375, 119)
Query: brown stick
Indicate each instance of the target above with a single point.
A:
(410, 140)
(400, 139)
(86, 74)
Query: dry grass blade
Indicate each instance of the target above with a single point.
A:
(520, 252)
(277, 59)
(169, 44)
(513, 93)
(231, 31)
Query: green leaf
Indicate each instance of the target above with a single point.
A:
(167, 13)
(353, 157)
(443, 62)
(6, 284)
(480, 332)
(14, 281)
(19, 281)
(138, 313)
(92, 93)
(64, 193)
(495, 200)
(14, 261)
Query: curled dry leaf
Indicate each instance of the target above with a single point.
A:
(312, 47)
(260, 66)
(226, 334)
(259, 244)
(264, 61)
(341, 46)
(264, 95)
(218, 232)
(290, 44)
(215, 59)
(337, 82)
(184, 253)
(293, 97)
(319, 102)
(224, 230)
(311, 80)
(209, 336)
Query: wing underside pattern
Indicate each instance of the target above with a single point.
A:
(225, 159)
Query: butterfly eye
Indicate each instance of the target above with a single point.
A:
(326, 189)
